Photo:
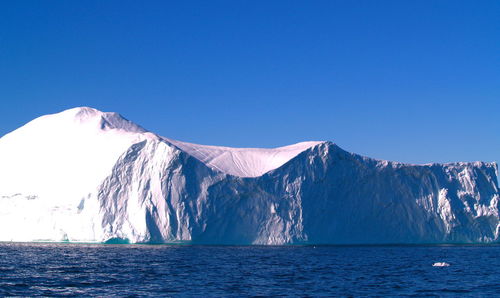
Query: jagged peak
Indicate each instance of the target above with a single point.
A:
(72, 122)
(84, 112)
(106, 120)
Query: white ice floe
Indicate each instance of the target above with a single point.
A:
(440, 264)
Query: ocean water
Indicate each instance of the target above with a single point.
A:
(166, 270)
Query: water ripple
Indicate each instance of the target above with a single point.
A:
(124, 270)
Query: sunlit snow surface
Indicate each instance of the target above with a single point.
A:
(243, 162)
(84, 175)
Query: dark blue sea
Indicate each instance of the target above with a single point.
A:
(166, 270)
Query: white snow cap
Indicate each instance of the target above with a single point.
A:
(70, 151)
(242, 162)
(90, 133)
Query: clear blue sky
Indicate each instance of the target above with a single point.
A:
(413, 81)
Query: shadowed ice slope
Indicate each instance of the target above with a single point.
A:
(84, 175)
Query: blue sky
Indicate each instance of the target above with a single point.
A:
(413, 81)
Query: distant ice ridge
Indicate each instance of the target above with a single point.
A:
(87, 176)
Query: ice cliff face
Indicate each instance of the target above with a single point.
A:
(84, 175)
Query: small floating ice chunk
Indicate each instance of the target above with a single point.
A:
(440, 264)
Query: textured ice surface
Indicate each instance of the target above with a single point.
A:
(85, 175)
(243, 162)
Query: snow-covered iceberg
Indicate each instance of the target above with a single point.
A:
(87, 176)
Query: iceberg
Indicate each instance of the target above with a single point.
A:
(83, 175)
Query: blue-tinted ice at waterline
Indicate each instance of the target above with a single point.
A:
(152, 270)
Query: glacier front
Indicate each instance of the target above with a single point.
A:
(83, 175)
